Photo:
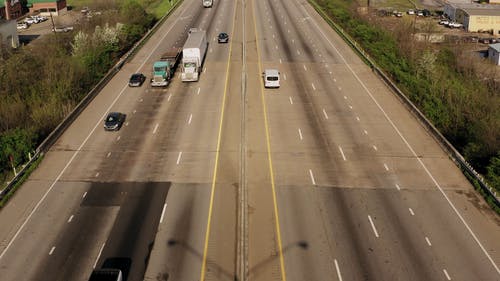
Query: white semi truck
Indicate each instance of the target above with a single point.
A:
(207, 3)
(193, 54)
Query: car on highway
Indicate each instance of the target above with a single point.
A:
(271, 78)
(114, 121)
(223, 37)
(136, 80)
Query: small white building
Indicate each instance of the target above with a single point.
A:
(494, 53)
(8, 33)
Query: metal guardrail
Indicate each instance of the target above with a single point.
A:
(455, 156)
(68, 120)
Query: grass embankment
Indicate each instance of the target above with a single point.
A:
(439, 80)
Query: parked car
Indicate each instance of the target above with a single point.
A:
(39, 18)
(62, 28)
(410, 12)
(444, 22)
(136, 80)
(223, 37)
(22, 25)
(114, 121)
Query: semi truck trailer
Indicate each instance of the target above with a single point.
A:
(193, 54)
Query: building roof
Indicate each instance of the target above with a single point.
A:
(492, 11)
(495, 46)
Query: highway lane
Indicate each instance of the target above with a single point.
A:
(342, 149)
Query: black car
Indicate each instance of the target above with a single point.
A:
(136, 80)
(114, 121)
(223, 37)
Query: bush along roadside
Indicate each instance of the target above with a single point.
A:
(437, 80)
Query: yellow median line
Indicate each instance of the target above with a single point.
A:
(278, 233)
(210, 208)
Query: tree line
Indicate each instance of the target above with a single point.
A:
(442, 81)
(40, 83)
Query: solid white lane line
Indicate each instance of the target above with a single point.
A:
(198, 91)
(373, 226)
(156, 128)
(446, 274)
(324, 113)
(397, 186)
(179, 158)
(411, 211)
(97, 174)
(118, 138)
(163, 212)
(169, 96)
(357, 118)
(342, 152)
(338, 270)
(52, 250)
(300, 134)
(314, 88)
(305, 68)
(85, 194)
(99, 255)
(312, 177)
(428, 241)
(386, 167)
(70, 218)
(190, 118)
(374, 147)
(109, 154)
(291, 101)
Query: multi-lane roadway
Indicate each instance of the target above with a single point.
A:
(328, 177)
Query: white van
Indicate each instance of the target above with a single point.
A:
(271, 78)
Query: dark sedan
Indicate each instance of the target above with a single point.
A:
(114, 121)
(223, 38)
(136, 80)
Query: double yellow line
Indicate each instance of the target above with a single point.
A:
(268, 143)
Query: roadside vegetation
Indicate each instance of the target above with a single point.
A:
(41, 83)
(440, 80)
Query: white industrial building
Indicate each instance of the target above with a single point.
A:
(475, 17)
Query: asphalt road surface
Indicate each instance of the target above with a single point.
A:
(328, 177)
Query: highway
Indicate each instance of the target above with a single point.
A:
(328, 177)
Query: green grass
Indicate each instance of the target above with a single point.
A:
(158, 8)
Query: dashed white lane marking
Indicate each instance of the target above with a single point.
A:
(163, 212)
(85, 194)
(373, 226)
(357, 118)
(118, 138)
(141, 100)
(314, 88)
(397, 186)
(342, 152)
(274, 36)
(324, 113)
(411, 211)
(70, 218)
(345, 97)
(312, 177)
(365, 131)
(386, 167)
(169, 96)
(289, 31)
(338, 270)
(134, 111)
(156, 128)
(126, 124)
(305, 68)
(300, 134)
(97, 174)
(210, 50)
(276, 47)
(340, 88)
(350, 106)
(99, 255)
(52, 250)
(374, 147)
(284, 76)
(281, 61)
(109, 154)
(198, 91)
(446, 274)
(204, 70)
(190, 118)
(428, 241)
(293, 41)
(179, 158)
(291, 101)
(298, 52)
